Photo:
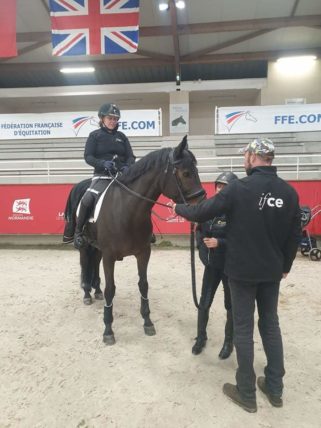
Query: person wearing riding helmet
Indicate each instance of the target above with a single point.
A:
(108, 151)
(211, 243)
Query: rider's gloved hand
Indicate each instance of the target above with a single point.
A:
(109, 165)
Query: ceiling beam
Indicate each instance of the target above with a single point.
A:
(155, 55)
(294, 8)
(237, 25)
(223, 45)
(201, 28)
(251, 56)
(45, 5)
(149, 62)
(173, 14)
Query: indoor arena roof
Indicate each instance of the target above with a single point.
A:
(208, 40)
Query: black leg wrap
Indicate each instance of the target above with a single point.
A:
(144, 308)
(148, 325)
(108, 315)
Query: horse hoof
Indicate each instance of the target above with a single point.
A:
(149, 330)
(99, 296)
(109, 340)
(87, 300)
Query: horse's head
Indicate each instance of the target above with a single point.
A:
(182, 182)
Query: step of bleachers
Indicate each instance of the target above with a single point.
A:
(61, 161)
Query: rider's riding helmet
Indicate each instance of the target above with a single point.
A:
(109, 110)
(226, 177)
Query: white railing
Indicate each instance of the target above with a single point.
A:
(295, 166)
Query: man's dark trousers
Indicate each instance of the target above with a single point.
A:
(244, 294)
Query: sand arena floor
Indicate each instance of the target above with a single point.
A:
(56, 372)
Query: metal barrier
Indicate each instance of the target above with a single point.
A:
(296, 167)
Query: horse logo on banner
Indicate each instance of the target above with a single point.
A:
(235, 116)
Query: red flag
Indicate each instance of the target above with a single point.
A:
(8, 45)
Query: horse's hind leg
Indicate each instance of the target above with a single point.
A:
(86, 257)
(142, 263)
(109, 265)
(99, 295)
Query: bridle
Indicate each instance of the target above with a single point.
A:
(171, 163)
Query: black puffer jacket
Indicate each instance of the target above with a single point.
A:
(214, 228)
(103, 144)
(263, 224)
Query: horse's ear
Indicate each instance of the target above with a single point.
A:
(178, 152)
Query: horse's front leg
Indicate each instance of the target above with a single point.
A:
(142, 263)
(110, 288)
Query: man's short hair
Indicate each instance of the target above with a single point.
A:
(262, 147)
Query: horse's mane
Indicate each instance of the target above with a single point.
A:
(154, 160)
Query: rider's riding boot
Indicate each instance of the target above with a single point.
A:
(80, 240)
(201, 338)
(228, 341)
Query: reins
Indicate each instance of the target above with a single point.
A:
(138, 195)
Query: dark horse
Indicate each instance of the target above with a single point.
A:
(124, 225)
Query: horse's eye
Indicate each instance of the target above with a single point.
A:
(186, 174)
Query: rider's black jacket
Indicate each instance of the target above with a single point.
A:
(214, 228)
(263, 224)
(103, 144)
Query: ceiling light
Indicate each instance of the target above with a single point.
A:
(163, 5)
(296, 65)
(293, 60)
(180, 4)
(69, 70)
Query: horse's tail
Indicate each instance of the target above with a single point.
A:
(68, 210)
(72, 203)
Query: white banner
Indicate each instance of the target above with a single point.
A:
(262, 119)
(140, 123)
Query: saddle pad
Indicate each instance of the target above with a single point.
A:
(94, 218)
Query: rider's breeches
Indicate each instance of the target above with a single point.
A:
(98, 185)
(211, 280)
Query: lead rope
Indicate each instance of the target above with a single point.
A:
(192, 245)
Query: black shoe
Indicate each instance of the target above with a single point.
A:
(199, 345)
(226, 350)
(232, 392)
(275, 400)
(79, 241)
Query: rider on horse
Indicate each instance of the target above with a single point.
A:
(108, 151)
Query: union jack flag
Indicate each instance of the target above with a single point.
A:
(94, 27)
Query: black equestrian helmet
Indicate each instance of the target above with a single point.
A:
(108, 110)
(226, 177)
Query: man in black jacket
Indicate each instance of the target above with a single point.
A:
(263, 232)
